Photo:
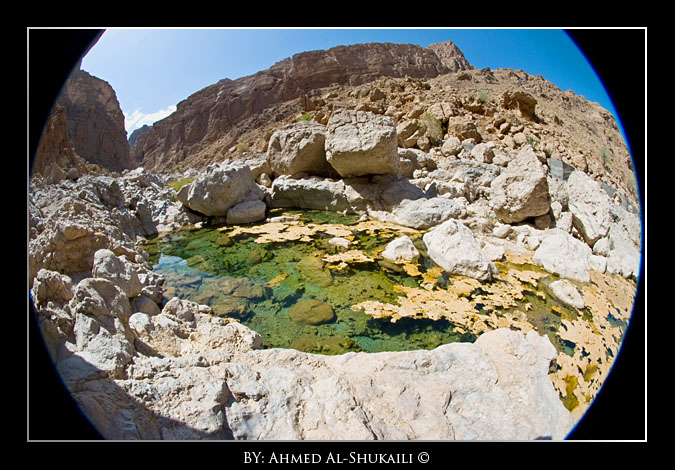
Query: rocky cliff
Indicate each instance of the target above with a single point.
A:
(207, 115)
(94, 121)
(136, 134)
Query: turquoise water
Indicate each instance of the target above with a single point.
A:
(262, 285)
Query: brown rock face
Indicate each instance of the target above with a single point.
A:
(205, 116)
(451, 56)
(55, 146)
(95, 122)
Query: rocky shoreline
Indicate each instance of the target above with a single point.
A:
(495, 189)
(145, 367)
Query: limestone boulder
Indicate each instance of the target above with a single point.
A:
(52, 286)
(299, 147)
(521, 191)
(103, 337)
(118, 270)
(221, 187)
(246, 212)
(400, 250)
(523, 103)
(624, 257)
(495, 388)
(483, 152)
(312, 193)
(589, 205)
(568, 294)
(361, 143)
(560, 253)
(425, 213)
(453, 247)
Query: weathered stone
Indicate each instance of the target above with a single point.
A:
(567, 294)
(494, 252)
(118, 270)
(102, 335)
(502, 230)
(522, 102)
(400, 249)
(404, 131)
(464, 130)
(424, 213)
(299, 147)
(221, 187)
(452, 146)
(144, 305)
(361, 143)
(483, 152)
(246, 212)
(441, 111)
(589, 205)
(446, 393)
(562, 254)
(453, 247)
(310, 193)
(52, 286)
(521, 191)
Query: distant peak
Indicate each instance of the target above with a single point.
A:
(450, 55)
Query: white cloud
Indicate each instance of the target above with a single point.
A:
(138, 119)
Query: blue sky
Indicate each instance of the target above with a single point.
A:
(151, 70)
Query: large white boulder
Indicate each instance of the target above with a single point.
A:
(246, 212)
(299, 147)
(222, 186)
(496, 388)
(589, 205)
(521, 191)
(361, 143)
(453, 247)
(425, 213)
(400, 249)
(560, 253)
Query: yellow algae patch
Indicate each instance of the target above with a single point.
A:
(297, 231)
(610, 291)
(431, 277)
(277, 280)
(443, 304)
(411, 269)
(596, 338)
(518, 258)
(345, 258)
(372, 227)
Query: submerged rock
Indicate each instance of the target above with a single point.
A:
(310, 312)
